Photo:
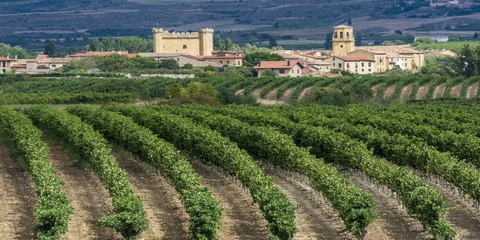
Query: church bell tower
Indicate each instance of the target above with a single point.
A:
(343, 41)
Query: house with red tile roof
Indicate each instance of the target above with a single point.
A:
(282, 68)
(6, 63)
(352, 64)
(226, 58)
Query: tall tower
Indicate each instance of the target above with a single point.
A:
(157, 39)
(343, 41)
(206, 41)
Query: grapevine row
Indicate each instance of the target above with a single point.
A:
(405, 151)
(210, 145)
(53, 209)
(129, 215)
(422, 202)
(203, 209)
(355, 207)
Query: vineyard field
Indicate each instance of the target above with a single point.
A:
(334, 172)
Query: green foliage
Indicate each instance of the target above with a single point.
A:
(335, 145)
(252, 59)
(51, 49)
(279, 150)
(129, 217)
(269, 73)
(170, 63)
(467, 61)
(209, 144)
(203, 209)
(12, 52)
(53, 209)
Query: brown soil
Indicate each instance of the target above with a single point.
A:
(375, 90)
(389, 91)
(393, 221)
(287, 96)
(439, 91)
(256, 92)
(462, 216)
(315, 219)
(165, 213)
(406, 92)
(304, 92)
(272, 95)
(472, 91)
(18, 200)
(456, 91)
(422, 92)
(241, 219)
(88, 197)
(240, 91)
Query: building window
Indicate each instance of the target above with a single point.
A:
(228, 62)
(348, 35)
(184, 46)
(335, 35)
(238, 63)
(334, 64)
(4, 64)
(178, 59)
(348, 65)
(369, 70)
(341, 46)
(356, 65)
(341, 34)
(298, 71)
(362, 64)
(54, 66)
(281, 71)
(362, 69)
(369, 64)
(339, 65)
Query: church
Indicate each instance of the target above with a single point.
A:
(370, 59)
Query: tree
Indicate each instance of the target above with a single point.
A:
(218, 43)
(467, 62)
(174, 91)
(82, 64)
(272, 42)
(50, 49)
(269, 73)
(169, 64)
(94, 45)
(252, 59)
(228, 45)
(328, 41)
(398, 32)
(475, 35)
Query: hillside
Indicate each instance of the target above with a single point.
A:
(29, 23)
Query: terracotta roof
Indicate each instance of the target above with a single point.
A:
(18, 66)
(277, 65)
(354, 58)
(7, 59)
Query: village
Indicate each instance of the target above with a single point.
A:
(197, 49)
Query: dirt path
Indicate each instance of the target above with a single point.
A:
(393, 221)
(406, 92)
(472, 91)
(315, 219)
(240, 218)
(272, 95)
(88, 197)
(439, 91)
(456, 91)
(18, 200)
(389, 92)
(464, 218)
(165, 213)
(422, 92)
(304, 93)
(287, 95)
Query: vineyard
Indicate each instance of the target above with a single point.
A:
(399, 171)
(366, 89)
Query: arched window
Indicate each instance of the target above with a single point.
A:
(341, 34)
(348, 35)
(335, 35)
(184, 46)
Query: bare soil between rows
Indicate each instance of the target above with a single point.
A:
(241, 219)
(18, 199)
(162, 203)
